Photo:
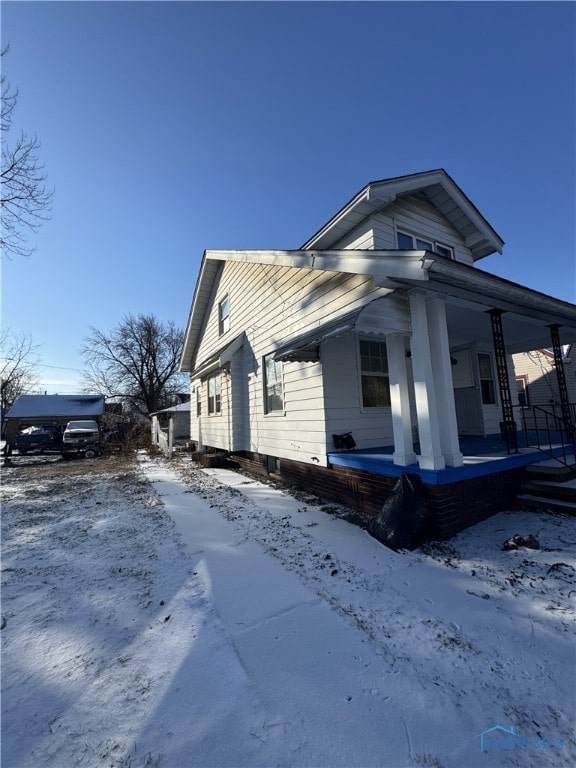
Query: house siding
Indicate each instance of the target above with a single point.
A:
(418, 217)
(540, 375)
(270, 304)
(370, 427)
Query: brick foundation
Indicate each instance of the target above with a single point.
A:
(455, 506)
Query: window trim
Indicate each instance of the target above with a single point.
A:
(216, 409)
(223, 319)
(434, 243)
(266, 406)
(492, 379)
(380, 374)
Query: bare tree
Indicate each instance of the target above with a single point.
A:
(24, 200)
(18, 358)
(136, 362)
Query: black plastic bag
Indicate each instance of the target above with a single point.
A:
(405, 519)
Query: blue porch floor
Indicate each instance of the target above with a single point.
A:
(482, 456)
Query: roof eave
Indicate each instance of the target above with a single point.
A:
(377, 195)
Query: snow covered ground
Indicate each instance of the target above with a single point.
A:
(161, 615)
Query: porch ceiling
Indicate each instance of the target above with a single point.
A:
(468, 322)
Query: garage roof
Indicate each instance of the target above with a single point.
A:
(40, 406)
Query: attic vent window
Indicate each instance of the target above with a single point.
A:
(408, 242)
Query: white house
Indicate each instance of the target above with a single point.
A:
(380, 326)
(536, 377)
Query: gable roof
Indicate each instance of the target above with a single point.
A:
(437, 187)
(52, 406)
(463, 283)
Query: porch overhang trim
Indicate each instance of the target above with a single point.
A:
(304, 348)
(516, 297)
(387, 314)
(219, 359)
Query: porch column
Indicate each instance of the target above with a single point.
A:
(424, 389)
(561, 378)
(508, 424)
(399, 401)
(442, 370)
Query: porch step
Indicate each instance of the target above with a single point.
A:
(546, 502)
(552, 471)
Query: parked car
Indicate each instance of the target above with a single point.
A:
(81, 438)
(41, 438)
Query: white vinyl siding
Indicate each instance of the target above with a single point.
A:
(343, 398)
(272, 304)
(412, 215)
(540, 374)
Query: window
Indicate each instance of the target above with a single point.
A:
(523, 391)
(273, 390)
(486, 379)
(199, 400)
(223, 316)
(214, 395)
(444, 250)
(375, 379)
(414, 243)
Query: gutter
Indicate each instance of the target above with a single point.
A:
(494, 287)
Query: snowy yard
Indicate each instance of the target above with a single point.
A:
(156, 614)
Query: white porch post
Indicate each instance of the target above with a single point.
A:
(442, 370)
(424, 390)
(399, 401)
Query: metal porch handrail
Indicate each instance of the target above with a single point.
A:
(547, 426)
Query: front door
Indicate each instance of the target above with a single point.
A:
(467, 392)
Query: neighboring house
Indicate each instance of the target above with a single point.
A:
(50, 410)
(536, 379)
(380, 325)
(180, 415)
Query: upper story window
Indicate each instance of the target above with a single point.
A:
(414, 243)
(214, 395)
(375, 378)
(273, 385)
(223, 316)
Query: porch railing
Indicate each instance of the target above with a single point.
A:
(551, 430)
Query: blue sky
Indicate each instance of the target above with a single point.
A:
(169, 128)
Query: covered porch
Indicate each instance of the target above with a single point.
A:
(482, 457)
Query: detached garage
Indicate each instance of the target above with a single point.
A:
(50, 410)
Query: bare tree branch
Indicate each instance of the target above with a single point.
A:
(25, 202)
(18, 358)
(136, 362)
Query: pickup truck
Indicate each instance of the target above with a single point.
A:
(81, 438)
